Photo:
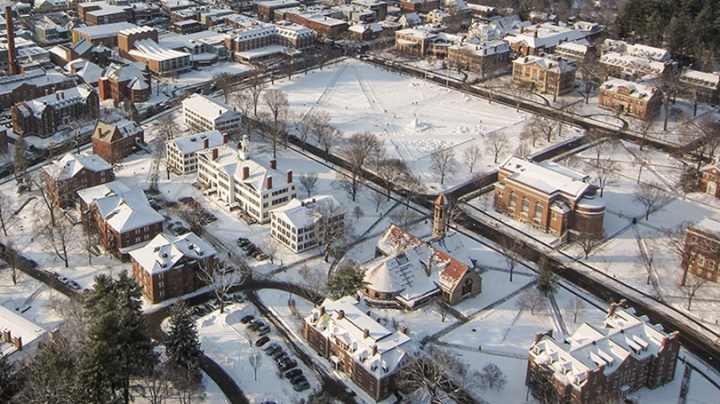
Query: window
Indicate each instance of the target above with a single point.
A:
(700, 260)
(538, 212)
(513, 200)
(467, 286)
(525, 205)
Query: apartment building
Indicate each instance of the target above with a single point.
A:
(170, 266)
(44, 116)
(702, 246)
(303, 224)
(205, 114)
(33, 84)
(551, 75)
(624, 355)
(631, 62)
(635, 99)
(117, 140)
(266, 9)
(255, 186)
(705, 87)
(71, 173)
(535, 40)
(358, 345)
(182, 152)
(710, 179)
(478, 56)
(549, 197)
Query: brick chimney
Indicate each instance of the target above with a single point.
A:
(374, 350)
(341, 315)
(549, 332)
(366, 333)
(99, 132)
(357, 297)
(214, 154)
(206, 143)
(403, 330)
(322, 310)
(246, 172)
(225, 138)
(239, 146)
(612, 309)
(289, 179)
(268, 182)
(273, 164)
(18, 343)
(7, 336)
(538, 337)
(13, 67)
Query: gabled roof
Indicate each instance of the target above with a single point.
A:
(395, 240)
(70, 165)
(165, 251)
(89, 195)
(553, 64)
(546, 177)
(709, 225)
(88, 71)
(61, 98)
(637, 90)
(124, 128)
(208, 106)
(194, 143)
(122, 73)
(301, 214)
(127, 211)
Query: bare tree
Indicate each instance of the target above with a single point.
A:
(404, 218)
(512, 249)
(523, 150)
(255, 360)
(167, 127)
(358, 212)
(278, 104)
(305, 127)
(257, 85)
(443, 162)
(315, 282)
(243, 101)
(497, 143)
(195, 217)
(225, 82)
(377, 196)
(270, 247)
(91, 236)
(391, 171)
(350, 183)
(7, 216)
(14, 260)
(530, 134)
(471, 156)
(650, 196)
(46, 200)
(308, 182)
(491, 377)
(332, 230)
(156, 387)
(543, 127)
(532, 299)
(249, 335)
(576, 306)
(692, 285)
(587, 242)
(439, 374)
(606, 171)
(220, 280)
(59, 238)
(519, 93)
(361, 149)
(592, 74)
(20, 161)
(642, 127)
(328, 136)
(674, 241)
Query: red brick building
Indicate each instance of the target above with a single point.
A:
(33, 84)
(549, 197)
(168, 267)
(101, 13)
(125, 221)
(121, 82)
(625, 355)
(45, 115)
(358, 345)
(115, 141)
(64, 177)
(634, 99)
(702, 246)
(419, 6)
(324, 26)
(546, 74)
(710, 179)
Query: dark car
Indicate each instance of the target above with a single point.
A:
(256, 325)
(279, 356)
(303, 385)
(287, 364)
(272, 348)
(297, 379)
(73, 285)
(293, 373)
(262, 341)
(247, 319)
(244, 243)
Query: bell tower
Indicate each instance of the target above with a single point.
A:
(440, 221)
(244, 147)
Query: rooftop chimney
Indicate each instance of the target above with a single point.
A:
(341, 315)
(268, 182)
(538, 337)
(13, 67)
(214, 154)
(366, 333)
(273, 164)
(289, 176)
(549, 332)
(403, 330)
(206, 143)
(99, 132)
(7, 336)
(225, 138)
(246, 172)
(18, 343)
(374, 350)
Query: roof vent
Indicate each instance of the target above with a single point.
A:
(192, 139)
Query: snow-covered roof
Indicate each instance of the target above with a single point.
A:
(90, 195)
(547, 177)
(122, 73)
(149, 49)
(165, 251)
(60, 99)
(638, 50)
(125, 127)
(395, 240)
(82, 46)
(341, 319)
(547, 63)
(301, 214)
(635, 62)
(360, 28)
(208, 106)
(578, 47)
(36, 77)
(545, 35)
(18, 326)
(710, 80)
(708, 225)
(478, 47)
(636, 90)
(85, 69)
(70, 165)
(194, 143)
(127, 211)
(103, 31)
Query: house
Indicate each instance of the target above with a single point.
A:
(205, 114)
(115, 141)
(141, 45)
(20, 337)
(254, 185)
(44, 116)
(635, 99)
(549, 197)
(121, 82)
(125, 220)
(539, 39)
(702, 247)
(705, 87)
(366, 32)
(626, 354)
(65, 176)
(410, 20)
(169, 266)
(182, 152)
(303, 224)
(478, 56)
(710, 179)
(551, 75)
(367, 352)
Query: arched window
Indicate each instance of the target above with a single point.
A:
(525, 205)
(513, 200)
(538, 212)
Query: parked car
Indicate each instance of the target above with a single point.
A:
(303, 385)
(63, 280)
(263, 330)
(238, 298)
(261, 256)
(297, 379)
(272, 348)
(247, 319)
(279, 357)
(293, 373)
(287, 364)
(262, 341)
(256, 325)
(73, 285)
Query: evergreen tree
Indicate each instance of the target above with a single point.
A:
(183, 344)
(20, 163)
(345, 281)
(547, 280)
(119, 346)
(131, 110)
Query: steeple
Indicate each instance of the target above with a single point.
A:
(244, 148)
(440, 217)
